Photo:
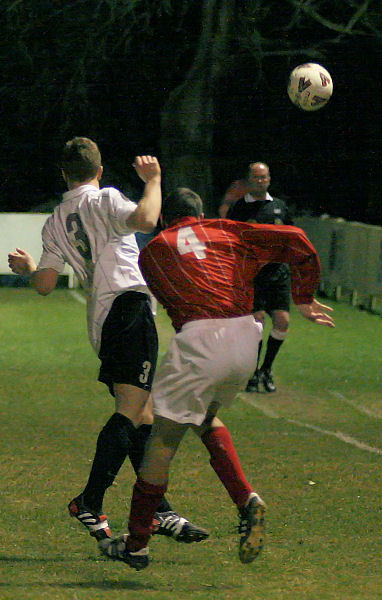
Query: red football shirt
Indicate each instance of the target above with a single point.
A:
(204, 269)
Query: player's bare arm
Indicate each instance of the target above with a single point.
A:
(145, 217)
(22, 263)
(315, 312)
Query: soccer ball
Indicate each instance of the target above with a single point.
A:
(310, 86)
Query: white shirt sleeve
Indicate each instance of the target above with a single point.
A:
(52, 257)
(120, 209)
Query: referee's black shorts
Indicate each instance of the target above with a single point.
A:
(272, 288)
(129, 343)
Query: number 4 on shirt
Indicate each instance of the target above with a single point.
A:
(188, 242)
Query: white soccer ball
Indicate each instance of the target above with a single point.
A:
(310, 86)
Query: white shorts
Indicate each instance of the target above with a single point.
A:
(209, 360)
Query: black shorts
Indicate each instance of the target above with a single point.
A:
(272, 288)
(129, 343)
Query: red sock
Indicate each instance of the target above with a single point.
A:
(226, 464)
(145, 500)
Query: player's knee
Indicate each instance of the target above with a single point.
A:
(158, 456)
(132, 402)
(260, 316)
(280, 321)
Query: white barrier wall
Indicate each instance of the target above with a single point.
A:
(23, 230)
(350, 253)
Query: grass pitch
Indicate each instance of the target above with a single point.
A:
(313, 450)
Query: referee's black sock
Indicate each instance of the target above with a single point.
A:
(273, 346)
(113, 445)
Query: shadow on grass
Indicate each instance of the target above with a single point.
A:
(31, 559)
(108, 583)
(105, 584)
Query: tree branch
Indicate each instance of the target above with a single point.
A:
(338, 27)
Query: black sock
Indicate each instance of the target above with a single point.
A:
(273, 346)
(113, 445)
(137, 447)
(258, 359)
(136, 452)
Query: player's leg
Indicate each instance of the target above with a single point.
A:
(116, 441)
(128, 354)
(277, 305)
(167, 522)
(226, 464)
(211, 360)
(128, 357)
(223, 457)
(142, 434)
(124, 434)
(280, 321)
(153, 475)
(228, 359)
(148, 492)
(259, 310)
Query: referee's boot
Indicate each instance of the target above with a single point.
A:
(253, 383)
(266, 378)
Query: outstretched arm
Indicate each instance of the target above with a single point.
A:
(146, 215)
(223, 209)
(44, 281)
(235, 191)
(315, 311)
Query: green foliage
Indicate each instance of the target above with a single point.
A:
(323, 494)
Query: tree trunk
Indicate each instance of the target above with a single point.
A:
(187, 119)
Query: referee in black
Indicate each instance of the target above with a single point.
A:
(248, 200)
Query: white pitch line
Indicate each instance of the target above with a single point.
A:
(361, 409)
(77, 297)
(343, 437)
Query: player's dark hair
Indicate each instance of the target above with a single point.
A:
(181, 202)
(80, 159)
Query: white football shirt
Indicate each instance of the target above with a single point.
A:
(88, 231)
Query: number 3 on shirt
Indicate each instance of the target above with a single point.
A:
(77, 235)
(188, 242)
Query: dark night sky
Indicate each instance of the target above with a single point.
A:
(327, 161)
